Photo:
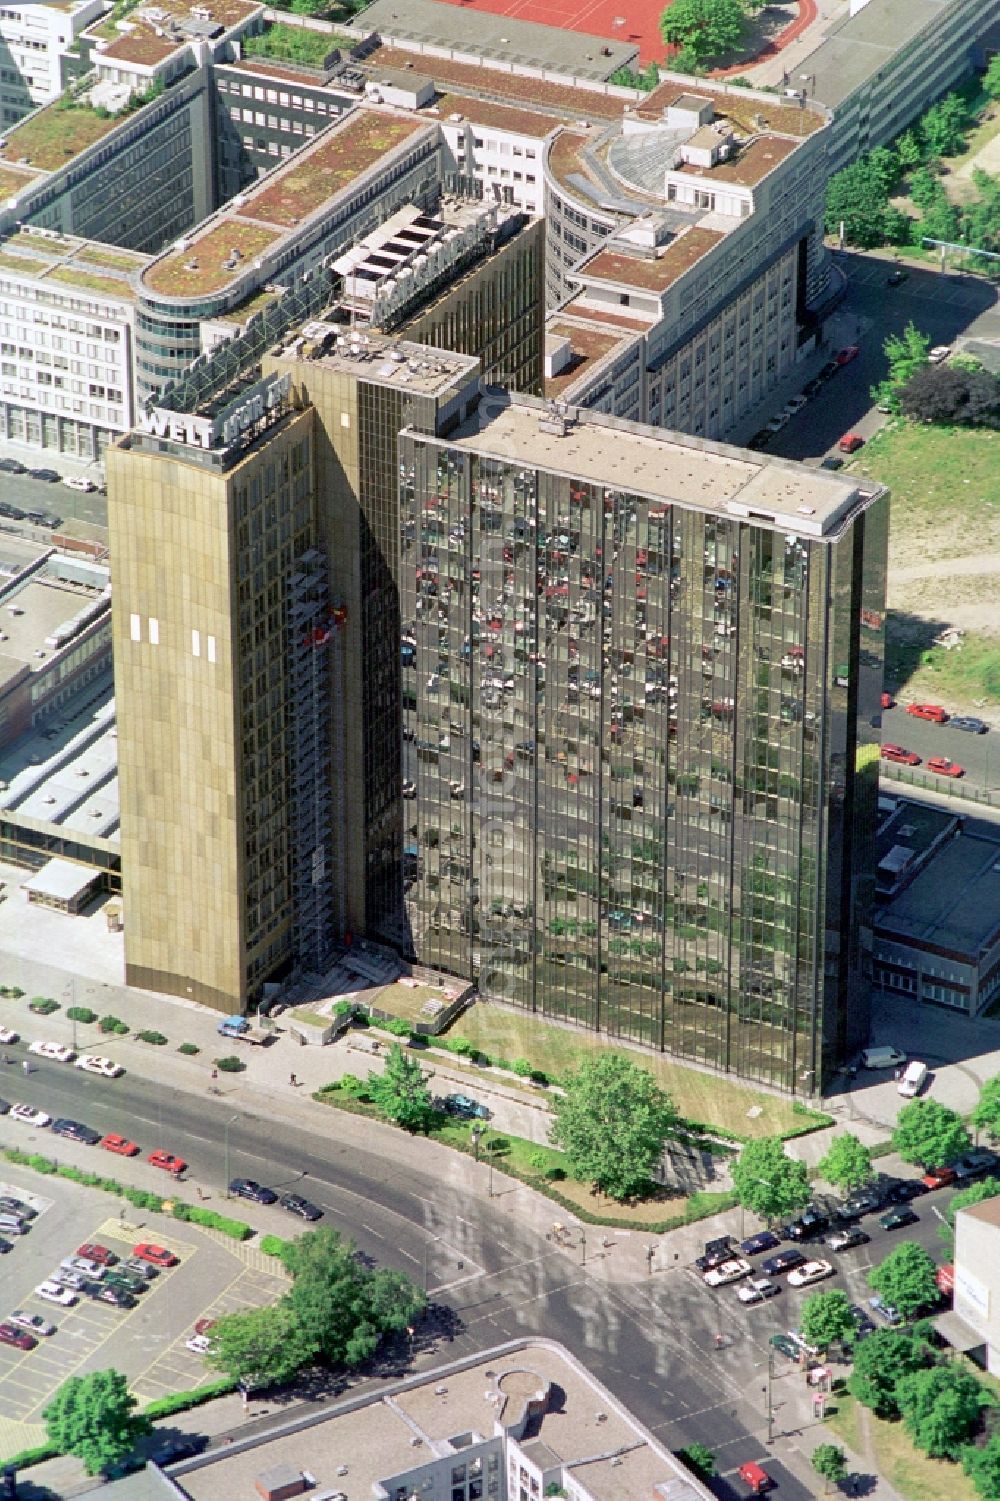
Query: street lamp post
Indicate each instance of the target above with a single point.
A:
(583, 1245)
(770, 1401)
(476, 1133)
(229, 1122)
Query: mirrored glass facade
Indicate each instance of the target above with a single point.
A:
(639, 758)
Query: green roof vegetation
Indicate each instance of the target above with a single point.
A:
(202, 266)
(296, 44)
(314, 176)
(57, 133)
(77, 276)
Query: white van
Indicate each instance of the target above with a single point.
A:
(883, 1057)
(913, 1080)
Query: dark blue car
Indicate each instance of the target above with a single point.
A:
(765, 1241)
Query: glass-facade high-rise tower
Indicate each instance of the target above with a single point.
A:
(641, 679)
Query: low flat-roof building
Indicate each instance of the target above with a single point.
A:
(973, 1325)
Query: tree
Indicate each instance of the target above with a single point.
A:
(986, 1116)
(769, 1182)
(856, 199)
(879, 1362)
(93, 1417)
(951, 395)
(400, 1091)
(940, 1408)
(703, 29)
(611, 1122)
(848, 1163)
(929, 1134)
(262, 1347)
(976, 1193)
(700, 1459)
(906, 354)
(343, 1307)
(909, 150)
(826, 1318)
(982, 1465)
(905, 1279)
(830, 1462)
(991, 78)
(942, 127)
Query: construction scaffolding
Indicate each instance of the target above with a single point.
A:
(314, 644)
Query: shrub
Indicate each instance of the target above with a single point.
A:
(522, 1068)
(538, 1160)
(273, 1245)
(43, 1005)
(555, 1174)
(156, 1038)
(112, 1024)
(81, 1014)
(26, 1457)
(397, 1026)
(230, 1064)
(189, 1049)
(193, 1214)
(12, 993)
(538, 1076)
(343, 1008)
(164, 1407)
(143, 1199)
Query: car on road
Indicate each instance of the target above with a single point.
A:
(758, 1290)
(92, 1063)
(33, 1322)
(902, 1190)
(809, 1223)
(898, 1219)
(847, 1239)
(12, 466)
(785, 1345)
(116, 1296)
(10, 1334)
(29, 1116)
(50, 476)
(198, 1344)
(974, 1163)
(7, 1035)
(851, 442)
(764, 1240)
(85, 1265)
(785, 1261)
(862, 1323)
(54, 1292)
(945, 767)
(897, 277)
(303, 1208)
(91, 1250)
(756, 1478)
(79, 482)
(56, 1052)
(10, 1205)
(167, 1161)
(729, 1271)
(847, 355)
(461, 1104)
(813, 1271)
(938, 1177)
(158, 1255)
(76, 1131)
(938, 353)
(119, 1144)
(246, 1188)
(933, 712)
(899, 754)
(885, 1311)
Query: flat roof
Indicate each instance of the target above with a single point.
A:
(590, 346)
(516, 119)
(61, 879)
(664, 466)
(14, 180)
(751, 163)
(500, 39)
(862, 46)
(648, 273)
(380, 358)
(480, 79)
(71, 779)
(52, 136)
(150, 33)
(69, 261)
(988, 1211)
(256, 220)
(954, 902)
(749, 111)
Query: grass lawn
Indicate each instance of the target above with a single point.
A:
(697, 1096)
(914, 1475)
(405, 1001)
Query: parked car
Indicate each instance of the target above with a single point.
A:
(8, 1035)
(764, 1240)
(760, 439)
(808, 1224)
(755, 1477)
(10, 1205)
(33, 1322)
(5, 1246)
(899, 754)
(728, 1271)
(303, 1208)
(974, 1163)
(830, 368)
(116, 1296)
(938, 1177)
(813, 1271)
(812, 387)
(862, 1323)
(91, 1063)
(85, 1265)
(938, 353)
(461, 1104)
(76, 1131)
(777, 423)
(758, 1290)
(129, 1282)
(969, 723)
(93, 1251)
(933, 712)
(785, 1345)
(723, 1248)
(50, 476)
(158, 1255)
(75, 1281)
(246, 1188)
(54, 1292)
(945, 767)
(785, 1261)
(902, 1190)
(12, 466)
(56, 1052)
(79, 482)
(43, 518)
(167, 1161)
(140, 1267)
(119, 1144)
(847, 1239)
(29, 1116)
(885, 1311)
(198, 1344)
(897, 277)
(898, 1219)
(795, 404)
(888, 702)
(847, 355)
(832, 462)
(862, 1201)
(851, 442)
(10, 1334)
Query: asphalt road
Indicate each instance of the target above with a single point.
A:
(35, 494)
(651, 1343)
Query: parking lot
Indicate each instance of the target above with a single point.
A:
(214, 1276)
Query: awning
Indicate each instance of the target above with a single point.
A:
(960, 1335)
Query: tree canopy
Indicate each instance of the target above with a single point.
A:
(826, 1319)
(344, 1307)
(848, 1163)
(976, 1193)
(982, 1463)
(857, 198)
(768, 1181)
(929, 1134)
(261, 1346)
(942, 127)
(986, 1116)
(94, 1417)
(611, 1121)
(879, 1362)
(400, 1091)
(831, 1462)
(703, 29)
(991, 78)
(940, 1408)
(905, 1279)
(952, 395)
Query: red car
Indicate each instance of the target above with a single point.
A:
(757, 1479)
(10, 1334)
(944, 767)
(119, 1144)
(938, 1177)
(98, 1253)
(928, 711)
(204, 1325)
(158, 1255)
(851, 442)
(847, 355)
(897, 753)
(888, 702)
(167, 1160)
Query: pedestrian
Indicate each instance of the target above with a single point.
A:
(292, 1079)
(26, 1066)
(215, 1073)
(718, 1341)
